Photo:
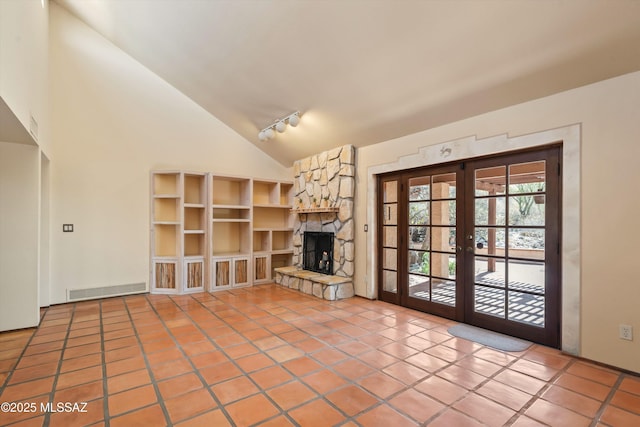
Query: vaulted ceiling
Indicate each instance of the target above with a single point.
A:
(366, 71)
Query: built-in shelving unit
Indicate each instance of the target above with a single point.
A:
(213, 232)
(230, 231)
(272, 227)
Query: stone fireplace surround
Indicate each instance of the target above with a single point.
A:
(324, 186)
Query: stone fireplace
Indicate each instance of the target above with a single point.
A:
(324, 186)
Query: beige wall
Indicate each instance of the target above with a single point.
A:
(608, 113)
(113, 122)
(24, 63)
(19, 195)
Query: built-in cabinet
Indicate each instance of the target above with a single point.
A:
(212, 232)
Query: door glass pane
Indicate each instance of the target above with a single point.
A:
(526, 243)
(526, 276)
(443, 212)
(443, 291)
(444, 186)
(490, 211)
(527, 177)
(526, 308)
(526, 210)
(390, 214)
(490, 241)
(390, 192)
(418, 213)
(419, 262)
(390, 236)
(489, 301)
(419, 188)
(419, 238)
(419, 287)
(443, 265)
(390, 259)
(443, 239)
(489, 271)
(390, 281)
(490, 181)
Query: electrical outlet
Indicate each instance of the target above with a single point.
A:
(626, 332)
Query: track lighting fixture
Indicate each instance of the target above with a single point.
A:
(280, 125)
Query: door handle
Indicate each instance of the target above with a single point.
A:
(470, 249)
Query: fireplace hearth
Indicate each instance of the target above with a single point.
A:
(317, 253)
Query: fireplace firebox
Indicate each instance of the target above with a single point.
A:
(317, 253)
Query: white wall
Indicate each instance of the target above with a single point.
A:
(19, 195)
(608, 113)
(24, 28)
(113, 122)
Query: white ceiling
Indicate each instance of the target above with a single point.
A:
(366, 71)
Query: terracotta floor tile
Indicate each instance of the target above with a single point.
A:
(208, 359)
(627, 401)
(120, 343)
(31, 422)
(405, 372)
(315, 414)
(523, 421)
(132, 399)
(234, 389)
(583, 386)
(81, 362)
(270, 377)
(251, 410)
(381, 385)
(352, 400)
(179, 385)
(571, 400)
(440, 389)
(329, 356)
(284, 353)
(281, 421)
(213, 418)
(309, 345)
(168, 369)
(416, 405)
(479, 366)
(552, 414)
(498, 357)
(534, 369)
(504, 394)
(556, 361)
(229, 340)
(520, 381)
(613, 416)
(27, 361)
(125, 365)
(81, 376)
(484, 410)
(352, 369)
(302, 366)
(293, 336)
(462, 377)
(128, 381)
(34, 372)
(384, 416)
(323, 381)
(594, 373)
(220, 372)
(451, 418)
(161, 357)
(240, 350)
(189, 405)
(631, 385)
(254, 362)
(398, 350)
(22, 391)
(80, 393)
(94, 413)
(292, 394)
(149, 416)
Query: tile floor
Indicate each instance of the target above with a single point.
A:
(275, 357)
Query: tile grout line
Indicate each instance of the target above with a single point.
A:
(607, 400)
(105, 387)
(147, 366)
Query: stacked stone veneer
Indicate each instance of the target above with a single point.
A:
(329, 179)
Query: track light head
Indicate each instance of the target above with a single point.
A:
(280, 125)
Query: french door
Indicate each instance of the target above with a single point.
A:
(476, 241)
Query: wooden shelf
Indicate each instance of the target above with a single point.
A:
(315, 210)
